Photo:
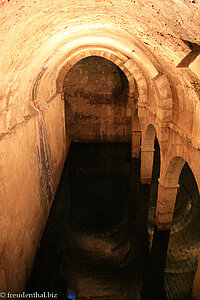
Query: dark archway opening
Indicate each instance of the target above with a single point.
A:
(96, 97)
(187, 201)
(184, 242)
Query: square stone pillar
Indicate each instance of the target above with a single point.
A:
(147, 156)
(165, 206)
(135, 144)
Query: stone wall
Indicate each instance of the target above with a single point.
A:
(96, 95)
(31, 160)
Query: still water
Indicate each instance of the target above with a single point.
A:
(96, 241)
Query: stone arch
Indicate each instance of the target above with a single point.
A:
(147, 154)
(96, 99)
(136, 79)
(49, 83)
(164, 93)
(93, 52)
(137, 92)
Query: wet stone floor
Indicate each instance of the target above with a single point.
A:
(97, 242)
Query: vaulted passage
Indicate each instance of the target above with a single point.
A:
(100, 140)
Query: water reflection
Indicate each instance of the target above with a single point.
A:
(96, 240)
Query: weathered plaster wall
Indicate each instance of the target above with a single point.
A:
(22, 214)
(26, 190)
(59, 142)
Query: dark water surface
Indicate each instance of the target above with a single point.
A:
(96, 241)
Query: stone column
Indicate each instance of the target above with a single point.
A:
(196, 283)
(147, 156)
(165, 206)
(135, 143)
